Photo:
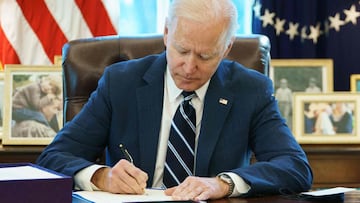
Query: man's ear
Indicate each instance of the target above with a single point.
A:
(166, 32)
(229, 46)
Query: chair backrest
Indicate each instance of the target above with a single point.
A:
(84, 61)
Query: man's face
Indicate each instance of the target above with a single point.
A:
(194, 52)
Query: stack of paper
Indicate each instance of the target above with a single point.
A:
(26, 182)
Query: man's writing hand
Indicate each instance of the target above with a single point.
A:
(123, 178)
(199, 188)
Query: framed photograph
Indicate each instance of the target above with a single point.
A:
(327, 118)
(355, 83)
(32, 105)
(299, 75)
(1, 102)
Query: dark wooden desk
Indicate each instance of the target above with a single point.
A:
(18, 154)
(333, 165)
(349, 197)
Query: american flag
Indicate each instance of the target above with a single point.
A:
(32, 32)
(313, 29)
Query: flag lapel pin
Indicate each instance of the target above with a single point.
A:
(223, 101)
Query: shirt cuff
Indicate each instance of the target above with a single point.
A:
(82, 178)
(241, 187)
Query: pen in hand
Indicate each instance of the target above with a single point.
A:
(126, 153)
(130, 159)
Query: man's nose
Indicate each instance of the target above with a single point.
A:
(190, 63)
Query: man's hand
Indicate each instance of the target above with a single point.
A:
(123, 178)
(199, 188)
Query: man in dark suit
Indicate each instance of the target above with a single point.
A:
(236, 114)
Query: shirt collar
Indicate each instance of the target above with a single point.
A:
(174, 91)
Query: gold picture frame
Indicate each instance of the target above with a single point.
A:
(33, 104)
(327, 118)
(299, 75)
(58, 60)
(355, 82)
(1, 102)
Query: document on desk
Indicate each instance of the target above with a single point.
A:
(27, 182)
(25, 173)
(151, 195)
(330, 191)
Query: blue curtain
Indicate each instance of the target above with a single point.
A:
(313, 29)
(137, 16)
(141, 16)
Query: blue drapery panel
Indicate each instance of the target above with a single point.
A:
(147, 16)
(138, 16)
(313, 29)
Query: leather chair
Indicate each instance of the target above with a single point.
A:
(84, 61)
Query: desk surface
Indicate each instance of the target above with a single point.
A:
(349, 197)
(343, 160)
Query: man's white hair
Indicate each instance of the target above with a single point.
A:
(205, 11)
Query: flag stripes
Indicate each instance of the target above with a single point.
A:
(43, 25)
(69, 18)
(33, 32)
(5, 47)
(96, 16)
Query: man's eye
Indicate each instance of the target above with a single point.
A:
(205, 57)
(183, 52)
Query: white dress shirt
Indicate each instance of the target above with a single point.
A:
(172, 99)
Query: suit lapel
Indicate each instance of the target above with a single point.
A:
(217, 104)
(150, 102)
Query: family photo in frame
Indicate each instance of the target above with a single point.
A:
(299, 75)
(327, 118)
(33, 104)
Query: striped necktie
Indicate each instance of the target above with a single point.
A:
(181, 145)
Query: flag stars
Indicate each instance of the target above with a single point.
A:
(331, 22)
(351, 15)
(315, 33)
(293, 30)
(267, 18)
(335, 22)
(257, 9)
(279, 26)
